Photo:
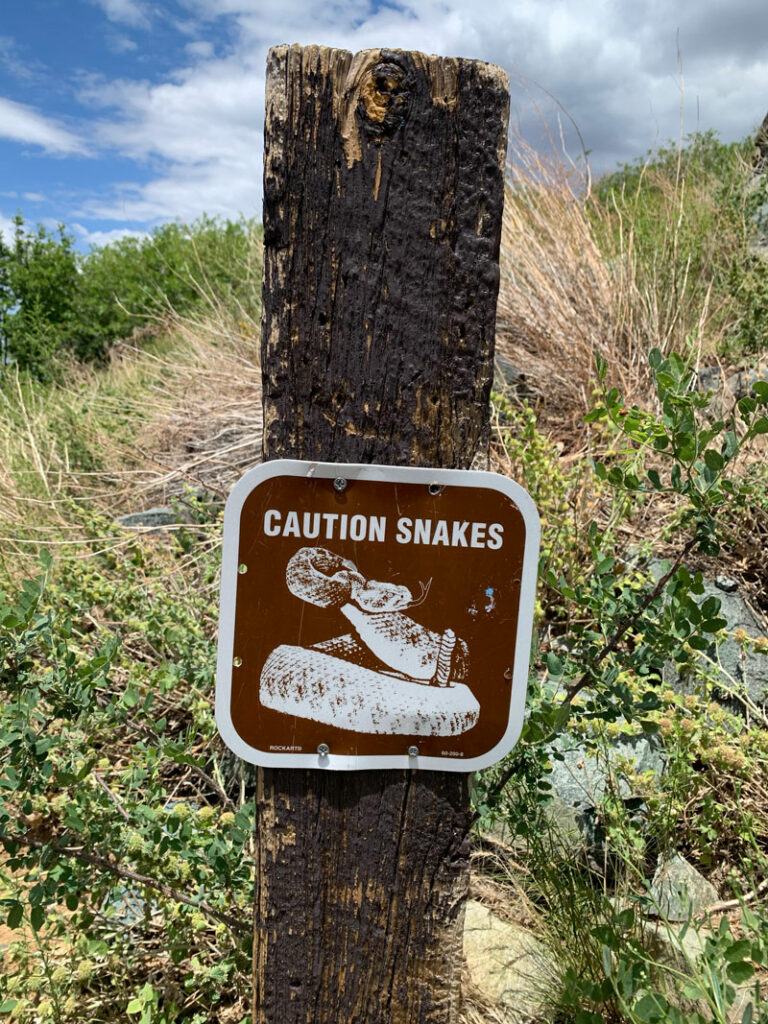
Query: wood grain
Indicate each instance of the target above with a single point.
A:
(383, 193)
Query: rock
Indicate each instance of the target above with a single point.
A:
(739, 384)
(506, 962)
(579, 776)
(746, 670)
(726, 583)
(708, 378)
(679, 891)
(565, 830)
(579, 781)
(154, 518)
(741, 670)
(668, 944)
(680, 948)
(507, 376)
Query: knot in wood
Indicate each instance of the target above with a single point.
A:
(385, 99)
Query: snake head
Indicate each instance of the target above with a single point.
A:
(322, 578)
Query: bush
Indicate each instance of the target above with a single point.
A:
(57, 303)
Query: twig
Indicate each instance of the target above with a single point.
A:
(132, 876)
(717, 908)
(112, 796)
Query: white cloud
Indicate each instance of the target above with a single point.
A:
(119, 43)
(126, 12)
(612, 67)
(33, 197)
(23, 124)
(88, 237)
(7, 229)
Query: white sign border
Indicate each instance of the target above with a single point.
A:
(389, 474)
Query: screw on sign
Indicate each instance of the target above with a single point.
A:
(383, 616)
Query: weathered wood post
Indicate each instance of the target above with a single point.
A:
(383, 193)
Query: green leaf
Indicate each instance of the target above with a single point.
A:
(746, 407)
(135, 1006)
(760, 387)
(653, 476)
(15, 915)
(647, 1009)
(37, 918)
(626, 919)
(760, 426)
(606, 956)
(699, 643)
(713, 460)
(713, 625)
(554, 664)
(740, 972)
(739, 950)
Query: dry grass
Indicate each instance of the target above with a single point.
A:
(142, 432)
(562, 300)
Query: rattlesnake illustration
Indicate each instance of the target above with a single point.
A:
(391, 676)
(375, 610)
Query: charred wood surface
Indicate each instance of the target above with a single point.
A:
(383, 193)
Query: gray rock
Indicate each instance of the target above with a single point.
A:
(579, 782)
(746, 671)
(580, 776)
(679, 891)
(507, 376)
(739, 384)
(154, 518)
(726, 583)
(506, 963)
(708, 378)
(678, 947)
(740, 671)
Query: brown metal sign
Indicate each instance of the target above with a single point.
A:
(375, 616)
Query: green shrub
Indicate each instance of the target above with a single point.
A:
(57, 303)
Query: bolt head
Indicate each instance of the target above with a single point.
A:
(339, 484)
(413, 751)
(323, 749)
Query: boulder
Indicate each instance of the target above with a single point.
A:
(741, 670)
(150, 518)
(579, 779)
(506, 963)
(678, 890)
(580, 775)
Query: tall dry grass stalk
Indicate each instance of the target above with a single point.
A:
(581, 276)
(555, 298)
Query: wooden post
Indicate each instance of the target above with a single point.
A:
(383, 193)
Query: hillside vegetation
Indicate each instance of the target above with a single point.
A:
(625, 311)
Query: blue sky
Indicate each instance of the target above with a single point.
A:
(117, 115)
